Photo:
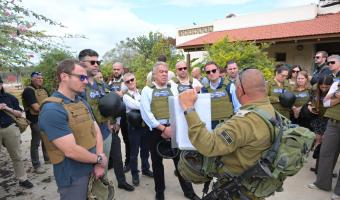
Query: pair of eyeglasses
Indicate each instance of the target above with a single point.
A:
(130, 81)
(80, 76)
(182, 68)
(213, 71)
(330, 62)
(93, 62)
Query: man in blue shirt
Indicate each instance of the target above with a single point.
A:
(72, 137)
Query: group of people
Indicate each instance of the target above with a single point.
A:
(79, 140)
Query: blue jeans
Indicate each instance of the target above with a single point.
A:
(138, 138)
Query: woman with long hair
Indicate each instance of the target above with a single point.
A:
(292, 74)
(10, 134)
(302, 92)
(319, 122)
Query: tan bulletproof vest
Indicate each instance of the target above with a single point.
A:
(334, 112)
(159, 102)
(94, 102)
(40, 95)
(81, 124)
(274, 92)
(221, 105)
(182, 87)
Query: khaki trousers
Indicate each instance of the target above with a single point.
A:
(10, 138)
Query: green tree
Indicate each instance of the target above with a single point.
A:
(245, 54)
(48, 66)
(19, 37)
(140, 53)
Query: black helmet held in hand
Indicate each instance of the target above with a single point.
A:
(135, 118)
(287, 99)
(110, 105)
(165, 150)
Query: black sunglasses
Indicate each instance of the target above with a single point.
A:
(80, 76)
(330, 62)
(93, 62)
(182, 68)
(130, 81)
(213, 71)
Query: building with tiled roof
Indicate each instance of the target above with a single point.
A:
(295, 34)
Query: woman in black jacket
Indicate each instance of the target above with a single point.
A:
(10, 134)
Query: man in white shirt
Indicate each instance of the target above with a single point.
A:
(155, 113)
(137, 129)
(331, 140)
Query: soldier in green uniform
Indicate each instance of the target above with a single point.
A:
(276, 87)
(241, 140)
(331, 140)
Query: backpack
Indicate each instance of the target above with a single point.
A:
(284, 158)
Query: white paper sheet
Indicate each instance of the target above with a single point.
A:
(180, 138)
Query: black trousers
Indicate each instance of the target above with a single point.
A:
(125, 134)
(115, 159)
(158, 167)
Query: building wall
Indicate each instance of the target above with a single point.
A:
(294, 54)
(292, 14)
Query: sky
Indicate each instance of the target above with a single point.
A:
(106, 22)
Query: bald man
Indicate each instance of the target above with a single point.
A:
(241, 140)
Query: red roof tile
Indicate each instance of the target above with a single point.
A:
(321, 25)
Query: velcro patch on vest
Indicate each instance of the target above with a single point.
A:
(226, 136)
(241, 113)
(278, 90)
(163, 93)
(218, 94)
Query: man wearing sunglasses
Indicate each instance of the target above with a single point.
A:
(221, 104)
(32, 97)
(331, 139)
(138, 132)
(94, 91)
(71, 134)
(240, 141)
(183, 80)
(321, 67)
(155, 113)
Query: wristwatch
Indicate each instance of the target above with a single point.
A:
(99, 159)
(189, 110)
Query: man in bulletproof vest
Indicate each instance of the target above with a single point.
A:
(117, 85)
(329, 151)
(232, 73)
(32, 97)
(72, 137)
(96, 89)
(138, 131)
(183, 80)
(241, 140)
(221, 104)
(320, 66)
(155, 113)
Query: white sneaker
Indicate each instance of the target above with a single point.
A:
(335, 197)
(39, 170)
(312, 186)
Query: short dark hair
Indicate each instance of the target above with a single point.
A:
(280, 68)
(229, 63)
(87, 52)
(323, 53)
(210, 63)
(66, 66)
(161, 58)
